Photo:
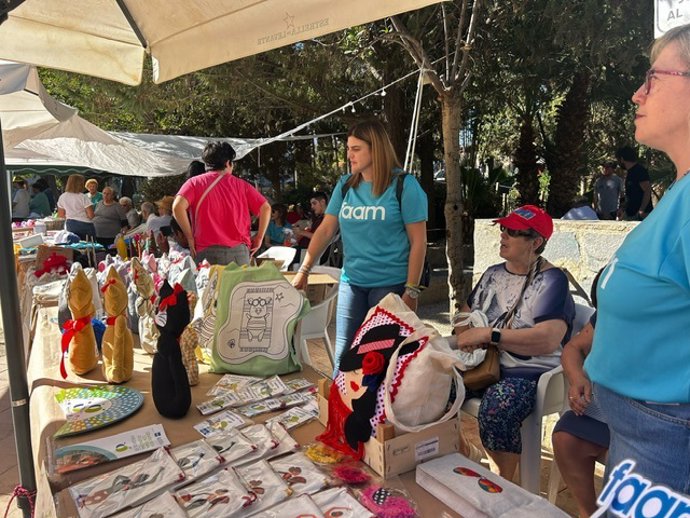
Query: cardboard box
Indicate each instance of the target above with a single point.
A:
(317, 285)
(389, 454)
(45, 251)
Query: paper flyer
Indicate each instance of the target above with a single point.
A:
(98, 451)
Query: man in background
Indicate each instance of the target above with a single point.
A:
(608, 192)
(638, 188)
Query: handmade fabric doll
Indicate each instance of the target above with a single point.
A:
(146, 296)
(169, 382)
(355, 402)
(83, 355)
(189, 342)
(118, 346)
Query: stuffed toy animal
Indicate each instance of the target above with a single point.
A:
(189, 342)
(146, 297)
(118, 345)
(169, 381)
(83, 355)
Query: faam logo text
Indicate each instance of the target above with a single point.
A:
(364, 213)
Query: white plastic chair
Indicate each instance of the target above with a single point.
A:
(280, 253)
(314, 325)
(551, 397)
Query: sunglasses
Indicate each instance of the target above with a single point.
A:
(517, 233)
(654, 72)
(484, 483)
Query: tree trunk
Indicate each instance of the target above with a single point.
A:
(525, 160)
(565, 162)
(451, 119)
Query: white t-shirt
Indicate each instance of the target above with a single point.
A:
(74, 205)
(20, 204)
(155, 223)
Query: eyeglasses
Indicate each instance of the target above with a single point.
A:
(517, 233)
(652, 72)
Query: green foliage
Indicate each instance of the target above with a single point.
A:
(154, 189)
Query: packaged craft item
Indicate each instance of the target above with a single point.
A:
(270, 488)
(164, 505)
(221, 495)
(128, 486)
(220, 422)
(196, 459)
(299, 507)
(339, 502)
(300, 474)
(388, 503)
(231, 445)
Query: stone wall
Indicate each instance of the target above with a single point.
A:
(583, 247)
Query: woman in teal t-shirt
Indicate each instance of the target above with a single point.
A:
(384, 238)
(275, 233)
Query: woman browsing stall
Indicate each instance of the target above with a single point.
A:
(530, 313)
(384, 239)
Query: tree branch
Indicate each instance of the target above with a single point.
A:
(468, 41)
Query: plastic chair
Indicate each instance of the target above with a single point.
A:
(285, 254)
(551, 398)
(314, 325)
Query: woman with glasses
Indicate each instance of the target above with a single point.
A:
(530, 313)
(640, 359)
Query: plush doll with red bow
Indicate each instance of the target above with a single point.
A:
(83, 355)
(169, 382)
(118, 346)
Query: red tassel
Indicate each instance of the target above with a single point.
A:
(334, 435)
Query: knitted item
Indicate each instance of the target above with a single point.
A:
(118, 345)
(83, 356)
(387, 503)
(189, 342)
(169, 382)
(351, 474)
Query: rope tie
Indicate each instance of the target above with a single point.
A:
(20, 492)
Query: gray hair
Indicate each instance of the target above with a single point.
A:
(679, 35)
(126, 200)
(148, 207)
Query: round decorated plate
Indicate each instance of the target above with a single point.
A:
(89, 408)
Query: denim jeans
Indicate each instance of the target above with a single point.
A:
(223, 255)
(353, 304)
(80, 228)
(655, 436)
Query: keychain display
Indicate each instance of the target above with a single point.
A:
(196, 459)
(337, 502)
(269, 487)
(221, 495)
(300, 474)
(128, 486)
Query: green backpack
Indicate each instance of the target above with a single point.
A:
(258, 310)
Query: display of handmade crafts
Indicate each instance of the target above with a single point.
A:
(83, 355)
(169, 382)
(355, 404)
(146, 297)
(117, 347)
(189, 342)
(208, 301)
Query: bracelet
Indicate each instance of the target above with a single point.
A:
(304, 270)
(414, 287)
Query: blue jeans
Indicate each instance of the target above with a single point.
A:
(353, 304)
(655, 436)
(80, 228)
(222, 255)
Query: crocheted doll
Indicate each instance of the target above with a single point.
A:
(355, 401)
(118, 346)
(83, 355)
(169, 382)
(146, 297)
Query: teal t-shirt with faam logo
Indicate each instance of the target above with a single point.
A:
(375, 243)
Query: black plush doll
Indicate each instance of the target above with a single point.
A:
(169, 383)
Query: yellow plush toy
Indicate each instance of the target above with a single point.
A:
(118, 346)
(146, 294)
(83, 355)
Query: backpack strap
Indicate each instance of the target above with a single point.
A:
(400, 183)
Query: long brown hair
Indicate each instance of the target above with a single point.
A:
(383, 157)
(75, 183)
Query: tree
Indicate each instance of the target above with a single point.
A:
(449, 78)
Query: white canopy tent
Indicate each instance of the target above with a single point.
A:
(109, 39)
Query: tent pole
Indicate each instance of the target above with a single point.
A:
(14, 344)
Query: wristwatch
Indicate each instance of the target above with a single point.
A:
(413, 294)
(495, 336)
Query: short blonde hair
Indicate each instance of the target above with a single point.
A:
(679, 35)
(91, 181)
(75, 183)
